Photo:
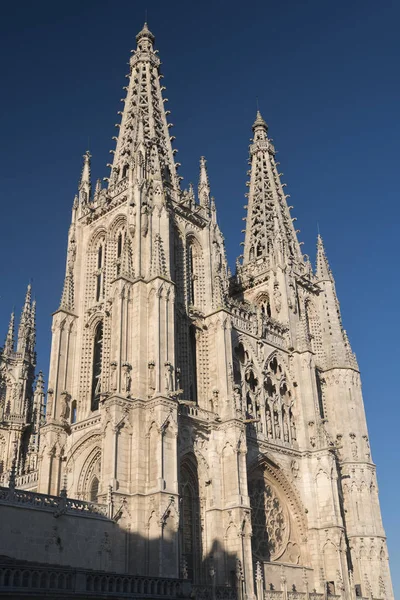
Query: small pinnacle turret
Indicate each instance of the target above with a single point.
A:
(204, 185)
(85, 185)
(9, 343)
(25, 324)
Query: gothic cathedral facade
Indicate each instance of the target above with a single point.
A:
(222, 413)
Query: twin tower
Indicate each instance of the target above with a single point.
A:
(222, 414)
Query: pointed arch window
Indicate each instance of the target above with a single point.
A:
(120, 246)
(190, 519)
(94, 490)
(97, 366)
(100, 273)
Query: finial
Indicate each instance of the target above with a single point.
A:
(85, 183)
(259, 122)
(145, 33)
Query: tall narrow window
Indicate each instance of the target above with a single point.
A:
(191, 276)
(94, 489)
(73, 412)
(120, 243)
(193, 363)
(99, 276)
(97, 363)
(190, 519)
(320, 394)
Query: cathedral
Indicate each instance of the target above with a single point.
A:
(198, 428)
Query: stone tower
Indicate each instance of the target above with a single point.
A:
(21, 400)
(220, 416)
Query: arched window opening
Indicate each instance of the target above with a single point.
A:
(191, 277)
(120, 245)
(193, 363)
(99, 274)
(73, 412)
(320, 394)
(125, 171)
(190, 520)
(97, 364)
(94, 490)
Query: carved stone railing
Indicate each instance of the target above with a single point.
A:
(273, 595)
(208, 592)
(316, 596)
(296, 595)
(188, 408)
(21, 481)
(17, 580)
(55, 504)
(243, 320)
(134, 585)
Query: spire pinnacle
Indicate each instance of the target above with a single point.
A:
(9, 343)
(204, 185)
(85, 181)
(323, 270)
(25, 323)
(270, 237)
(144, 131)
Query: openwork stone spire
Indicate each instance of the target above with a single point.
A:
(25, 323)
(9, 343)
(269, 229)
(144, 132)
(323, 270)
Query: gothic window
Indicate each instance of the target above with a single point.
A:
(94, 490)
(97, 364)
(190, 519)
(125, 171)
(269, 518)
(120, 245)
(195, 272)
(279, 416)
(100, 273)
(320, 394)
(2, 453)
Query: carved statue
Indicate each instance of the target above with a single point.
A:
(269, 423)
(127, 379)
(152, 375)
(169, 379)
(293, 429)
(285, 430)
(237, 398)
(113, 376)
(65, 397)
(277, 426)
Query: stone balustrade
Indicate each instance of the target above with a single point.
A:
(218, 592)
(188, 408)
(15, 580)
(56, 504)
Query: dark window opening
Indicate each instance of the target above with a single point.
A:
(320, 394)
(73, 412)
(94, 490)
(97, 360)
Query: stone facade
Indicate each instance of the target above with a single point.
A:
(220, 417)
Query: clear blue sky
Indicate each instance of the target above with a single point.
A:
(327, 78)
